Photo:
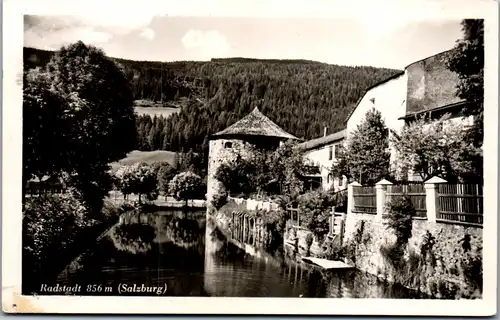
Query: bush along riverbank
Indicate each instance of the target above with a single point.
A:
(56, 229)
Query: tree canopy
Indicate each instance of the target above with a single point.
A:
(265, 173)
(186, 186)
(139, 178)
(365, 157)
(77, 107)
(438, 148)
(467, 61)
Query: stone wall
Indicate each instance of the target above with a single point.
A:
(238, 220)
(223, 151)
(296, 237)
(448, 270)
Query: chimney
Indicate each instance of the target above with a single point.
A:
(325, 130)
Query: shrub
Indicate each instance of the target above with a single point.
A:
(315, 212)
(399, 218)
(472, 268)
(219, 199)
(427, 246)
(50, 224)
(309, 241)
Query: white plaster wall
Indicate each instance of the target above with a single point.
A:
(390, 100)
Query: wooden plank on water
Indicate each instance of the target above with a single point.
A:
(327, 264)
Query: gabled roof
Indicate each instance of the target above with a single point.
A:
(255, 124)
(323, 141)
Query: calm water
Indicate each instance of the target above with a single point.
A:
(190, 257)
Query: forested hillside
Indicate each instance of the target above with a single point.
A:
(300, 96)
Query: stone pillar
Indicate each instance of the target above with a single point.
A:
(431, 197)
(381, 189)
(350, 197)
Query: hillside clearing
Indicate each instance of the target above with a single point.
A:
(145, 156)
(156, 111)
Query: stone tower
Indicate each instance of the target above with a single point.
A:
(253, 130)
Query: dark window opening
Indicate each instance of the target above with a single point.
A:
(228, 145)
(330, 153)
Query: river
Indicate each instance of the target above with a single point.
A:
(190, 256)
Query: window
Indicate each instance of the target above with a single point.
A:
(338, 151)
(330, 153)
(228, 145)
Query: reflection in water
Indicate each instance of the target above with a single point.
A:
(134, 238)
(194, 258)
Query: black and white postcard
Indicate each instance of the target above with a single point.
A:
(250, 157)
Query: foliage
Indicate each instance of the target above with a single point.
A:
(139, 178)
(186, 186)
(273, 219)
(408, 271)
(333, 250)
(472, 267)
(315, 209)
(287, 166)
(365, 157)
(309, 240)
(50, 223)
(426, 246)
(164, 175)
(438, 148)
(300, 96)
(467, 61)
(270, 173)
(360, 231)
(219, 199)
(399, 218)
(43, 119)
(85, 98)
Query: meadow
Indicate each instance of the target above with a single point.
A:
(145, 156)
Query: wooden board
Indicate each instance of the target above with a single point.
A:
(327, 264)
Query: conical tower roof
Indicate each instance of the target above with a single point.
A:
(255, 124)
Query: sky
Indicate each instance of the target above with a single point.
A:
(374, 41)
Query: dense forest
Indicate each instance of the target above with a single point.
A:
(301, 96)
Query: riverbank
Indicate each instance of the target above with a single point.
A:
(162, 202)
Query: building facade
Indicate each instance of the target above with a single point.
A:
(424, 88)
(323, 153)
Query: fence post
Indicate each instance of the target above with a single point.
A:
(431, 197)
(350, 195)
(332, 221)
(381, 190)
